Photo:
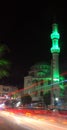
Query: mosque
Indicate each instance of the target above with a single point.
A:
(43, 77)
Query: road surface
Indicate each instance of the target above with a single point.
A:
(7, 124)
(10, 121)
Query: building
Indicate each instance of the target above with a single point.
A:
(6, 90)
(38, 80)
(42, 77)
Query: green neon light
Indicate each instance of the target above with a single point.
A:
(55, 34)
(55, 47)
(56, 79)
(56, 75)
(55, 37)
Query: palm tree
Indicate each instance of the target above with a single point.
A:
(4, 63)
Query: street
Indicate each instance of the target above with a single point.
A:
(7, 124)
(15, 122)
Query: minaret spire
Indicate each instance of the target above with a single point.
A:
(55, 39)
(55, 50)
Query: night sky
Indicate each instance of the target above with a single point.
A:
(26, 31)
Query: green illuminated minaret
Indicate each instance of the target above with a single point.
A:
(55, 50)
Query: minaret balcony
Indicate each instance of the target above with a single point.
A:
(55, 35)
(55, 50)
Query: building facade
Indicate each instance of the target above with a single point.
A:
(6, 90)
(38, 80)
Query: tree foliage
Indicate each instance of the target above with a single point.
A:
(26, 99)
(47, 98)
(4, 63)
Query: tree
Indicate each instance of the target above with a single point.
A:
(47, 98)
(41, 93)
(26, 99)
(4, 63)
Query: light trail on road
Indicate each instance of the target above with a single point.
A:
(29, 123)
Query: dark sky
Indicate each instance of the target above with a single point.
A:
(26, 31)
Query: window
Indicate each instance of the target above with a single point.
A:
(5, 89)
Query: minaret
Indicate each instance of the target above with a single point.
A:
(55, 50)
